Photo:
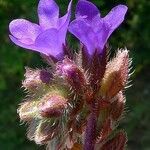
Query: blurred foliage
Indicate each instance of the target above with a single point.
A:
(134, 34)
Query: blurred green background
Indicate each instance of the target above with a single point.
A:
(134, 34)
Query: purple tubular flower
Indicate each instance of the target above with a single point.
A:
(49, 36)
(91, 29)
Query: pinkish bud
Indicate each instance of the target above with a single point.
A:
(72, 73)
(116, 75)
(34, 78)
(45, 131)
(45, 76)
(28, 110)
(52, 105)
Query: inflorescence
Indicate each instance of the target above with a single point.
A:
(78, 100)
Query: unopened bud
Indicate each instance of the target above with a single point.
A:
(28, 110)
(45, 131)
(34, 78)
(116, 75)
(72, 73)
(52, 105)
(45, 76)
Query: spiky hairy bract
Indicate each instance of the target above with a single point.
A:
(64, 101)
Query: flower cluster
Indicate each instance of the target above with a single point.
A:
(78, 101)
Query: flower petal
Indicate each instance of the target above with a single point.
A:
(48, 12)
(64, 23)
(30, 47)
(102, 35)
(50, 42)
(110, 23)
(24, 30)
(94, 33)
(86, 9)
(116, 16)
(84, 33)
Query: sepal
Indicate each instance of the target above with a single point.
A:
(116, 75)
(116, 143)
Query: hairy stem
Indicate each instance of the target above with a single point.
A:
(90, 132)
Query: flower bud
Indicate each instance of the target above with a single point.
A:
(45, 76)
(74, 75)
(116, 75)
(45, 131)
(35, 78)
(52, 105)
(28, 110)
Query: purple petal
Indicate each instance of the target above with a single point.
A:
(110, 23)
(48, 13)
(45, 76)
(63, 27)
(47, 43)
(64, 23)
(50, 43)
(19, 43)
(102, 36)
(84, 33)
(102, 32)
(86, 10)
(24, 30)
(116, 16)
(94, 33)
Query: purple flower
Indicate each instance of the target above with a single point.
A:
(49, 36)
(93, 30)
